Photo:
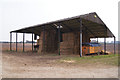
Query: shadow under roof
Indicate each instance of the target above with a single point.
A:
(91, 22)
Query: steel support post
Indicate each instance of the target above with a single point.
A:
(59, 40)
(10, 41)
(114, 45)
(97, 40)
(105, 33)
(80, 37)
(104, 45)
(16, 41)
(32, 42)
(23, 41)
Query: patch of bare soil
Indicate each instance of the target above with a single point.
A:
(34, 65)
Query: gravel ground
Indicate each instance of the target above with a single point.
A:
(27, 65)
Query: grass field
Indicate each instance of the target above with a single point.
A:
(93, 60)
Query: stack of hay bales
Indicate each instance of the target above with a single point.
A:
(67, 45)
(70, 42)
(40, 43)
(49, 43)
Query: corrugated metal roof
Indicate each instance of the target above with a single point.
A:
(91, 22)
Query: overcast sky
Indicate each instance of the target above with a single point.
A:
(16, 14)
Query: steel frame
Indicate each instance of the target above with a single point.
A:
(114, 44)
(23, 41)
(80, 37)
(16, 41)
(32, 42)
(10, 41)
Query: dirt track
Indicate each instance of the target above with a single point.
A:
(27, 65)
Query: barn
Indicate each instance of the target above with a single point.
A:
(66, 36)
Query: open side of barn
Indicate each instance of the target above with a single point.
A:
(66, 36)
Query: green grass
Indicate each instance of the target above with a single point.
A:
(101, 59)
